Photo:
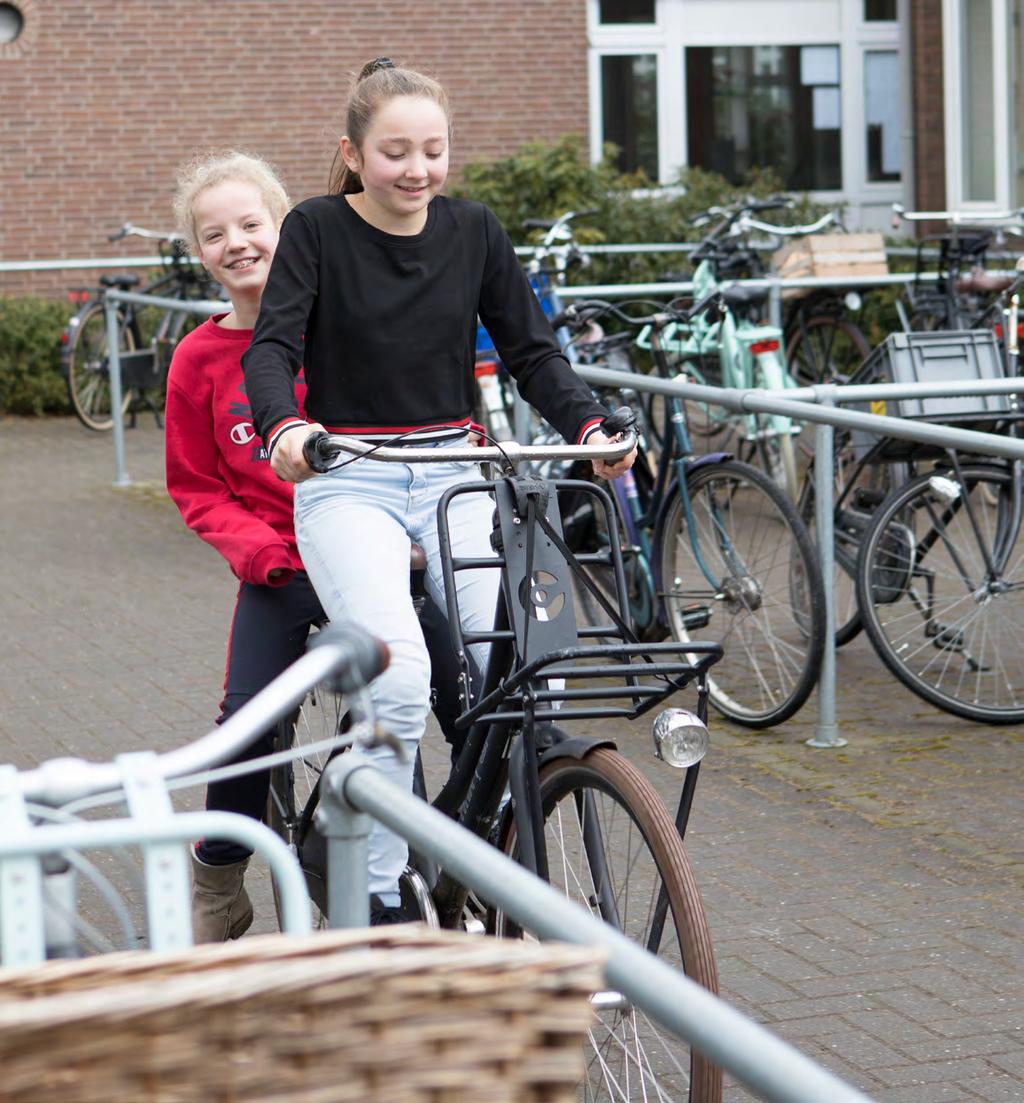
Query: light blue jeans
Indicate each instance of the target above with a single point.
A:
(354, 527)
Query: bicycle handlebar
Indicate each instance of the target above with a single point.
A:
(344, 654)
(129, 229)
(955, 218)
(321, 449)
(587, 310)
(748, 223)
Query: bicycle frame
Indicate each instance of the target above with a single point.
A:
(511, 732)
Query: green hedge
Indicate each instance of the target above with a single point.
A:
(544, 181)
(30, 376)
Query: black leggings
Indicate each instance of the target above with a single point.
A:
(268, 633)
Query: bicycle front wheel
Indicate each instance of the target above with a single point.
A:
(940, 585)
(824, 348)
(87, 366)
(746, 576)
(314, 732)
(613, 848)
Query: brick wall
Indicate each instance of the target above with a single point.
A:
(929, 122)
(100, 100)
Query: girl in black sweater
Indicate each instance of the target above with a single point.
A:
(375, 291)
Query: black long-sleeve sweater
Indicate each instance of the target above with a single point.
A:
(385, 326)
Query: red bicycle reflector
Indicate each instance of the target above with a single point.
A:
(764, 346)
(485, 367)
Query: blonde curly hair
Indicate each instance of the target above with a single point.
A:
(207, 169)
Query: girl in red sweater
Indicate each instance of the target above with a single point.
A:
(230, 206)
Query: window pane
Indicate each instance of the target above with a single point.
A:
(879, 10)
(976, 120)
(629, 90)
(626, 11)
(766, 107)
(1017, 84)
(882, 114)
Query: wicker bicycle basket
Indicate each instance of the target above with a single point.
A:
(372, 1016)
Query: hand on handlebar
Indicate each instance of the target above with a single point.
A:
(603, 469)
(287, 459)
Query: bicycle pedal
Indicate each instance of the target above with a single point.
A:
(696, 617)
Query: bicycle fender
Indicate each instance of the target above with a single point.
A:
(705, 461)
(577, 747)
(710, 459)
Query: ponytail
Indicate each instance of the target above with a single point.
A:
(379, 80)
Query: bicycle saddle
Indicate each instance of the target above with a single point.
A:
(739, 297)
(981, 282)
(123, 281)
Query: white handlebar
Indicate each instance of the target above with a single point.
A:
(747, 222)
(957, 218)
(511, 451)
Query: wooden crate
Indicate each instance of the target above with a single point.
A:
(830, 256)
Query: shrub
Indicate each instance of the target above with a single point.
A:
(30, 376)
(546, 180)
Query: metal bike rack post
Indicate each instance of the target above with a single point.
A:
(826, 733)
(770, 1067)
(110, 301)
(116, 400)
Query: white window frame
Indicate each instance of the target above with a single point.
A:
(952, 108)
(672, 32)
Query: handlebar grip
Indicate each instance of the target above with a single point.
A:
(314, 452)
(364, 656)
(563, 317)
(619, 421)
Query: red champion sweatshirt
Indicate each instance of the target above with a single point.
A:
(218, 473)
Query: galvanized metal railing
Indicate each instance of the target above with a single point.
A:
(819, 405)
(352, 791)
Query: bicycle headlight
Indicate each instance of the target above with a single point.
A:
(852, 300)
(680, 738)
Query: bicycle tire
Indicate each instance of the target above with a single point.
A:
(767, 608)
(87, 372)
(857, 491)
(941, 623)
(778, 455)
(628, 1056)
(292, 797)
(825, 348)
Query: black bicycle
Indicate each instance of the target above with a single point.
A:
(147, 335)
(570, 808)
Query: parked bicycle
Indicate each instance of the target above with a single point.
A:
(554, 257)
(144, 348)
(577, 814)
(712, 546)
(736, 348)
(962, 293)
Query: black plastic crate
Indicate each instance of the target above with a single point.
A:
(940, 356)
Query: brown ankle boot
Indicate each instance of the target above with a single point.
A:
(221, 908)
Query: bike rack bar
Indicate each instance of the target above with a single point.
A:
(818, 404)
(110, 300)
(770, 1067)
(30, 846)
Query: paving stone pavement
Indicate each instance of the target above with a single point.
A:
(865, 902)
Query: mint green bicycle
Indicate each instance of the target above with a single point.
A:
(732, 347)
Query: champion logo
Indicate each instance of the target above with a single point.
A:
(242, 433)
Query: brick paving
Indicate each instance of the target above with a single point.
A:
(865, 902)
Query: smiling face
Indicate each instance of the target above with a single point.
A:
(402, 163)
(236, 236)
